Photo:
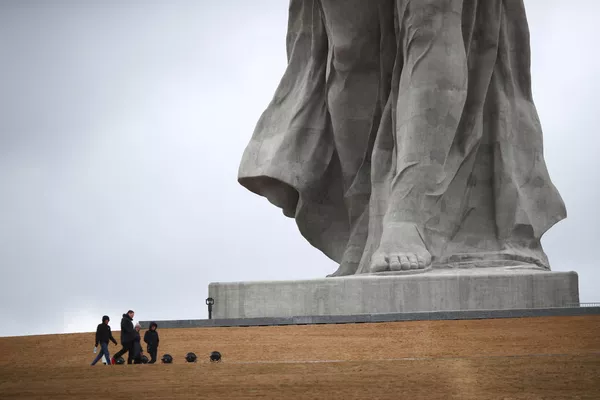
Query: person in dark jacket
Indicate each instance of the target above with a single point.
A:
(103, 335)
(127, 337)
(151, 339)
(136, 350)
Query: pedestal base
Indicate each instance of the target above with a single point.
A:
(436, 290)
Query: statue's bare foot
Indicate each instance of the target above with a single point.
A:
(350, 261)
(401, 249)
(345, 268)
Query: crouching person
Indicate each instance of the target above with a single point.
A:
(103, 335)
(151, 339)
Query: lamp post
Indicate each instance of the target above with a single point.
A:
(209, 302)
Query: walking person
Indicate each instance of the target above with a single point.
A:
(103, 335)
(127, 337)
(151, 339)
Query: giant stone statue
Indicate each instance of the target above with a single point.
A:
(403, 136)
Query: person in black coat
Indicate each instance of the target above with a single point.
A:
(103, 335)
(136, 351)
(151, 339)
(127, 337)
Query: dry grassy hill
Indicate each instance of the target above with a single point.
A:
(521, 358)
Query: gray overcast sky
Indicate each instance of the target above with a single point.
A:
(122, 124)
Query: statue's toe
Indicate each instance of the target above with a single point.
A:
(379, 263)
(404, 262)
(414, 263)
(395, 264)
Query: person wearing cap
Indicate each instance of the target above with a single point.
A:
(127, 337)
(103, 335)
(151, 339)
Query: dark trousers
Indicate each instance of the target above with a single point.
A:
(127, 348)
(152, 350)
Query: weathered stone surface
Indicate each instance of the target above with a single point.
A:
(438, 290)
(404, 135)
(392, 317)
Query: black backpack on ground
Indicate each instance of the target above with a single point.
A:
(190, 357)
(215, 356)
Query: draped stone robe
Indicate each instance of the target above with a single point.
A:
(365, 116)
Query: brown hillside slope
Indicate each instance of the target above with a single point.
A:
(527, 358)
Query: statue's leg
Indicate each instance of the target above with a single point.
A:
(353, 84)
(353, 101)
(431, 96)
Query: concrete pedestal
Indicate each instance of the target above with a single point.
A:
(436, 290)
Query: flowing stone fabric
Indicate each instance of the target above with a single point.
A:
(409, 110)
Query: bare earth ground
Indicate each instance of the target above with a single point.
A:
(521, 358)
